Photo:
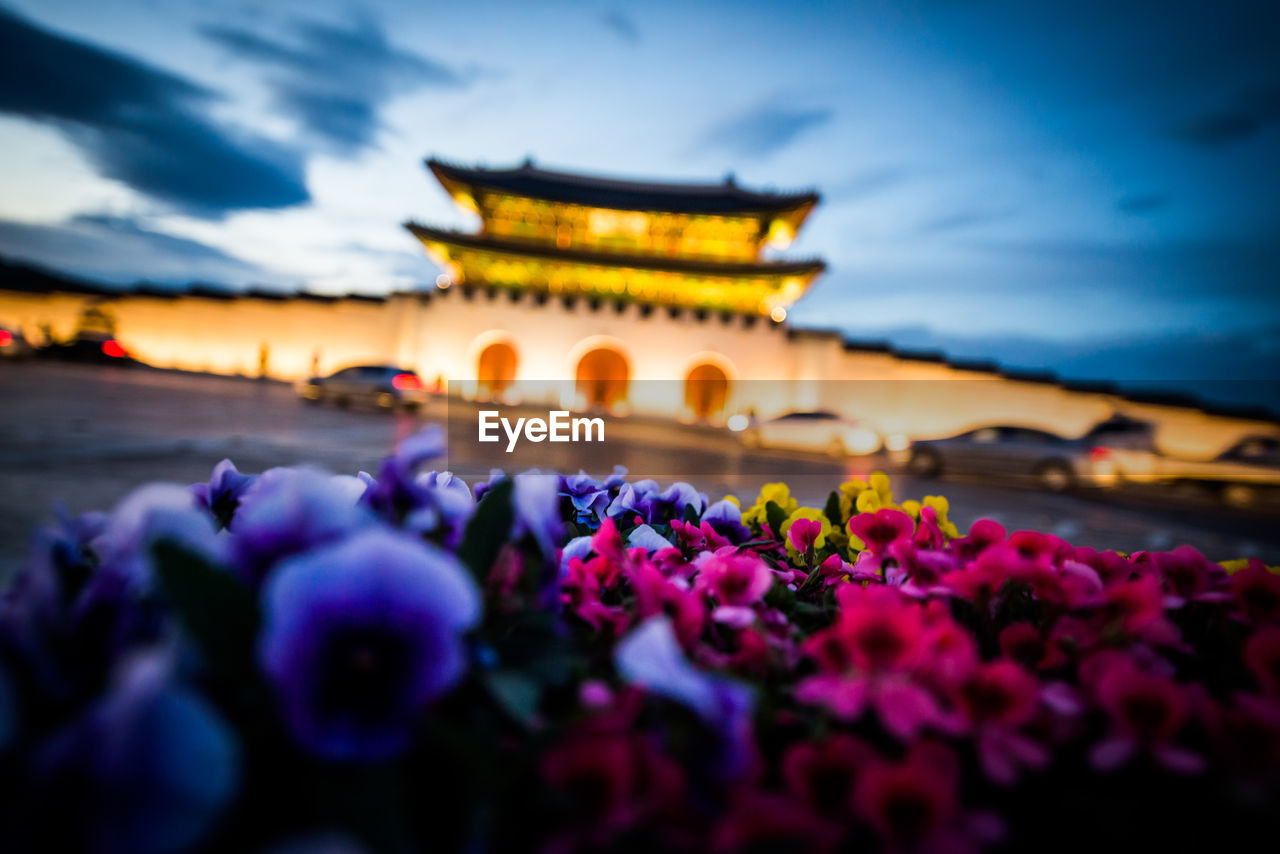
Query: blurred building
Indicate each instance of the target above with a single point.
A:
(580, 292)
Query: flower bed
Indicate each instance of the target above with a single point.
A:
(296, 661)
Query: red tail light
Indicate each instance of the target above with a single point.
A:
(113, 349)
(6, 337)
(406, 382)
(1099, 453)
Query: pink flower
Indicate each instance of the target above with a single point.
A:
(909, 802)
(1147, 711)
(929, 534)
(737, 581)
(824, 773)
(1023, 643)
(1257, 593)
(609, 782)
(762, 821)
(997, 700)
(1187, 574)
(879, 529)
(1262, 657)
(867, 658)
(983, 534)
(804, 533)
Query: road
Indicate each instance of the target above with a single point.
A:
(85, 435)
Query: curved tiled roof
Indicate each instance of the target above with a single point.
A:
(533, 182)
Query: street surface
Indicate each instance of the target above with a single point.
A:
(86, 435)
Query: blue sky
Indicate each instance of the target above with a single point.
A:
(1064, 171)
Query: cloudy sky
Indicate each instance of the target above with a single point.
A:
(1070, 171)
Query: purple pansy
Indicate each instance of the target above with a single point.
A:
(589, 496)
(634, 499)
(146, 770)
(725, 518)
(651, 657)
(290, 510)
(221, 495)
(359, 636)
(643, 536)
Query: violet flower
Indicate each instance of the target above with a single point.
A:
(359, 636)
(221, 495)
(651, 657)
(148, 769)
(288, 511)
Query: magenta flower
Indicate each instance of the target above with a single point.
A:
(879, 529)
(824, 774)
(1187, 574)
(1262, 657)
(359, 636)
(983, 534)
(866, 661)
(804, 533)
(1257, 593)
(736, 580)
(997, 700)
(910, 802)
(1147, 711)
(610, 782)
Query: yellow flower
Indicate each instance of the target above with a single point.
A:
(869, 501)
(1234, 566)
(880, 483)
(912, 509)
(941, 505)
(733, 499)
(778, 493)
(848, 495)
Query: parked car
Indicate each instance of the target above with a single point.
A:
(1241, 475)
(823, 432)
(13, 344)
(384, 386)
(1051, 461)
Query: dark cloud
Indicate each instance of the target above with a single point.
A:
(1142, 203)
(141, 125)
(764, 130)
(334, 78)
(1246, 117)
(122, 250)
(621, 25)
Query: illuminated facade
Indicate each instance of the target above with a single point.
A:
(696, 246)
(580, 292)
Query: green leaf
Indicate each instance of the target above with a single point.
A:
(832, 509)
(775, 516)
(218, 612)
(517, 694)
(691, 515)
(488, 530)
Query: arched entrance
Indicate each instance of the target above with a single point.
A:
(706, 389)
(496, 369)
(602, 377)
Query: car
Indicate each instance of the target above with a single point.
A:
(13, 344)
(1053, 462)
(1240, 476)
(823, 432)
(384, 386)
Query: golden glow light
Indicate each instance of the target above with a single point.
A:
(443, 282)
(778, 314)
